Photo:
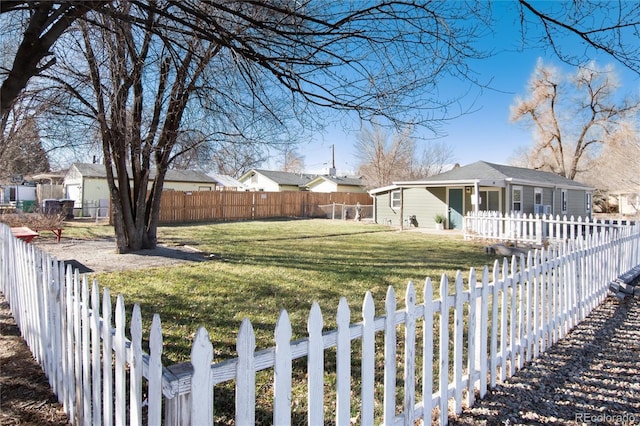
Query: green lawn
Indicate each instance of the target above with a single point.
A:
(259, 268)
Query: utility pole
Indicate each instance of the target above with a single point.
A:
(332, 170)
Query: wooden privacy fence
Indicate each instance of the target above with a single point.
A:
(204, 206)
(519, 227)
(449, 346)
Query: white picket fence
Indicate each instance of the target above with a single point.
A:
(537, 229)
(501, 319)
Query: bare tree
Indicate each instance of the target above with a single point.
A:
(436, 157)
(292, 160)
(597, 26)
(572, 117)
(615, 169)
(385, 157)
(45, 24)
(237, 158)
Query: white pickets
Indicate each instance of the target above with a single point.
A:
(408, 405)
(245, 376)
(96, 367)
(368, 361)
(529, 228)
(315, 367)
(343, 365)
(427, 350)
(282, 371)
(119, 349)
(155, 372)
(507, 318)
(389, 401)
(135, 366)
(107, 348)
(443, 372)
(201, 389)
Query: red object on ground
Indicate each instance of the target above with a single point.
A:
(24, 233)
(56, 231)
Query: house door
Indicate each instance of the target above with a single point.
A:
(455, 208)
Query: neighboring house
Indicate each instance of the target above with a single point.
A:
(480, 186)
(336, 184)
(275, 181)
(19, 195)
(87, 185)
(227, 183)
(628, 202)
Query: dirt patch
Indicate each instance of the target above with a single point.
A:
(25, 395)
(100, 255)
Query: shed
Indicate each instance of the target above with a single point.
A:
(87, 185)
(480, 186)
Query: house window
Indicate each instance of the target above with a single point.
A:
(489, 200)
(587, 201)
(563, 200)
(395, 199)
(516, 199)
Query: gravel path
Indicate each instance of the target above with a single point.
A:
(590, 377)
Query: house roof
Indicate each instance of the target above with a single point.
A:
(490, 174)
(282, 178)
(99, 171)
(227, 181)
(338, 180)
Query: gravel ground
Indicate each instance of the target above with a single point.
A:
(590, 377)
(100, 255)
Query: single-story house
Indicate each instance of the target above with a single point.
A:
(227, 183)
(87, 185)
(328, 183)
(480, 186)
(276, 181)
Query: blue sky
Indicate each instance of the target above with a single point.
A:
(487, 133)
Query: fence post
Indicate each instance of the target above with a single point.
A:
(178, 408)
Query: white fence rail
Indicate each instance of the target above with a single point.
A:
(523, 228)
(500, 320)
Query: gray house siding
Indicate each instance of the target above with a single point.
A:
(385, 214)
(418, 202)
(576, 203)
(424, 204)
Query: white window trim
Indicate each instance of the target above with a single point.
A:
(513, 198)
(393, 201)
(564, 201)
(587, 201)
